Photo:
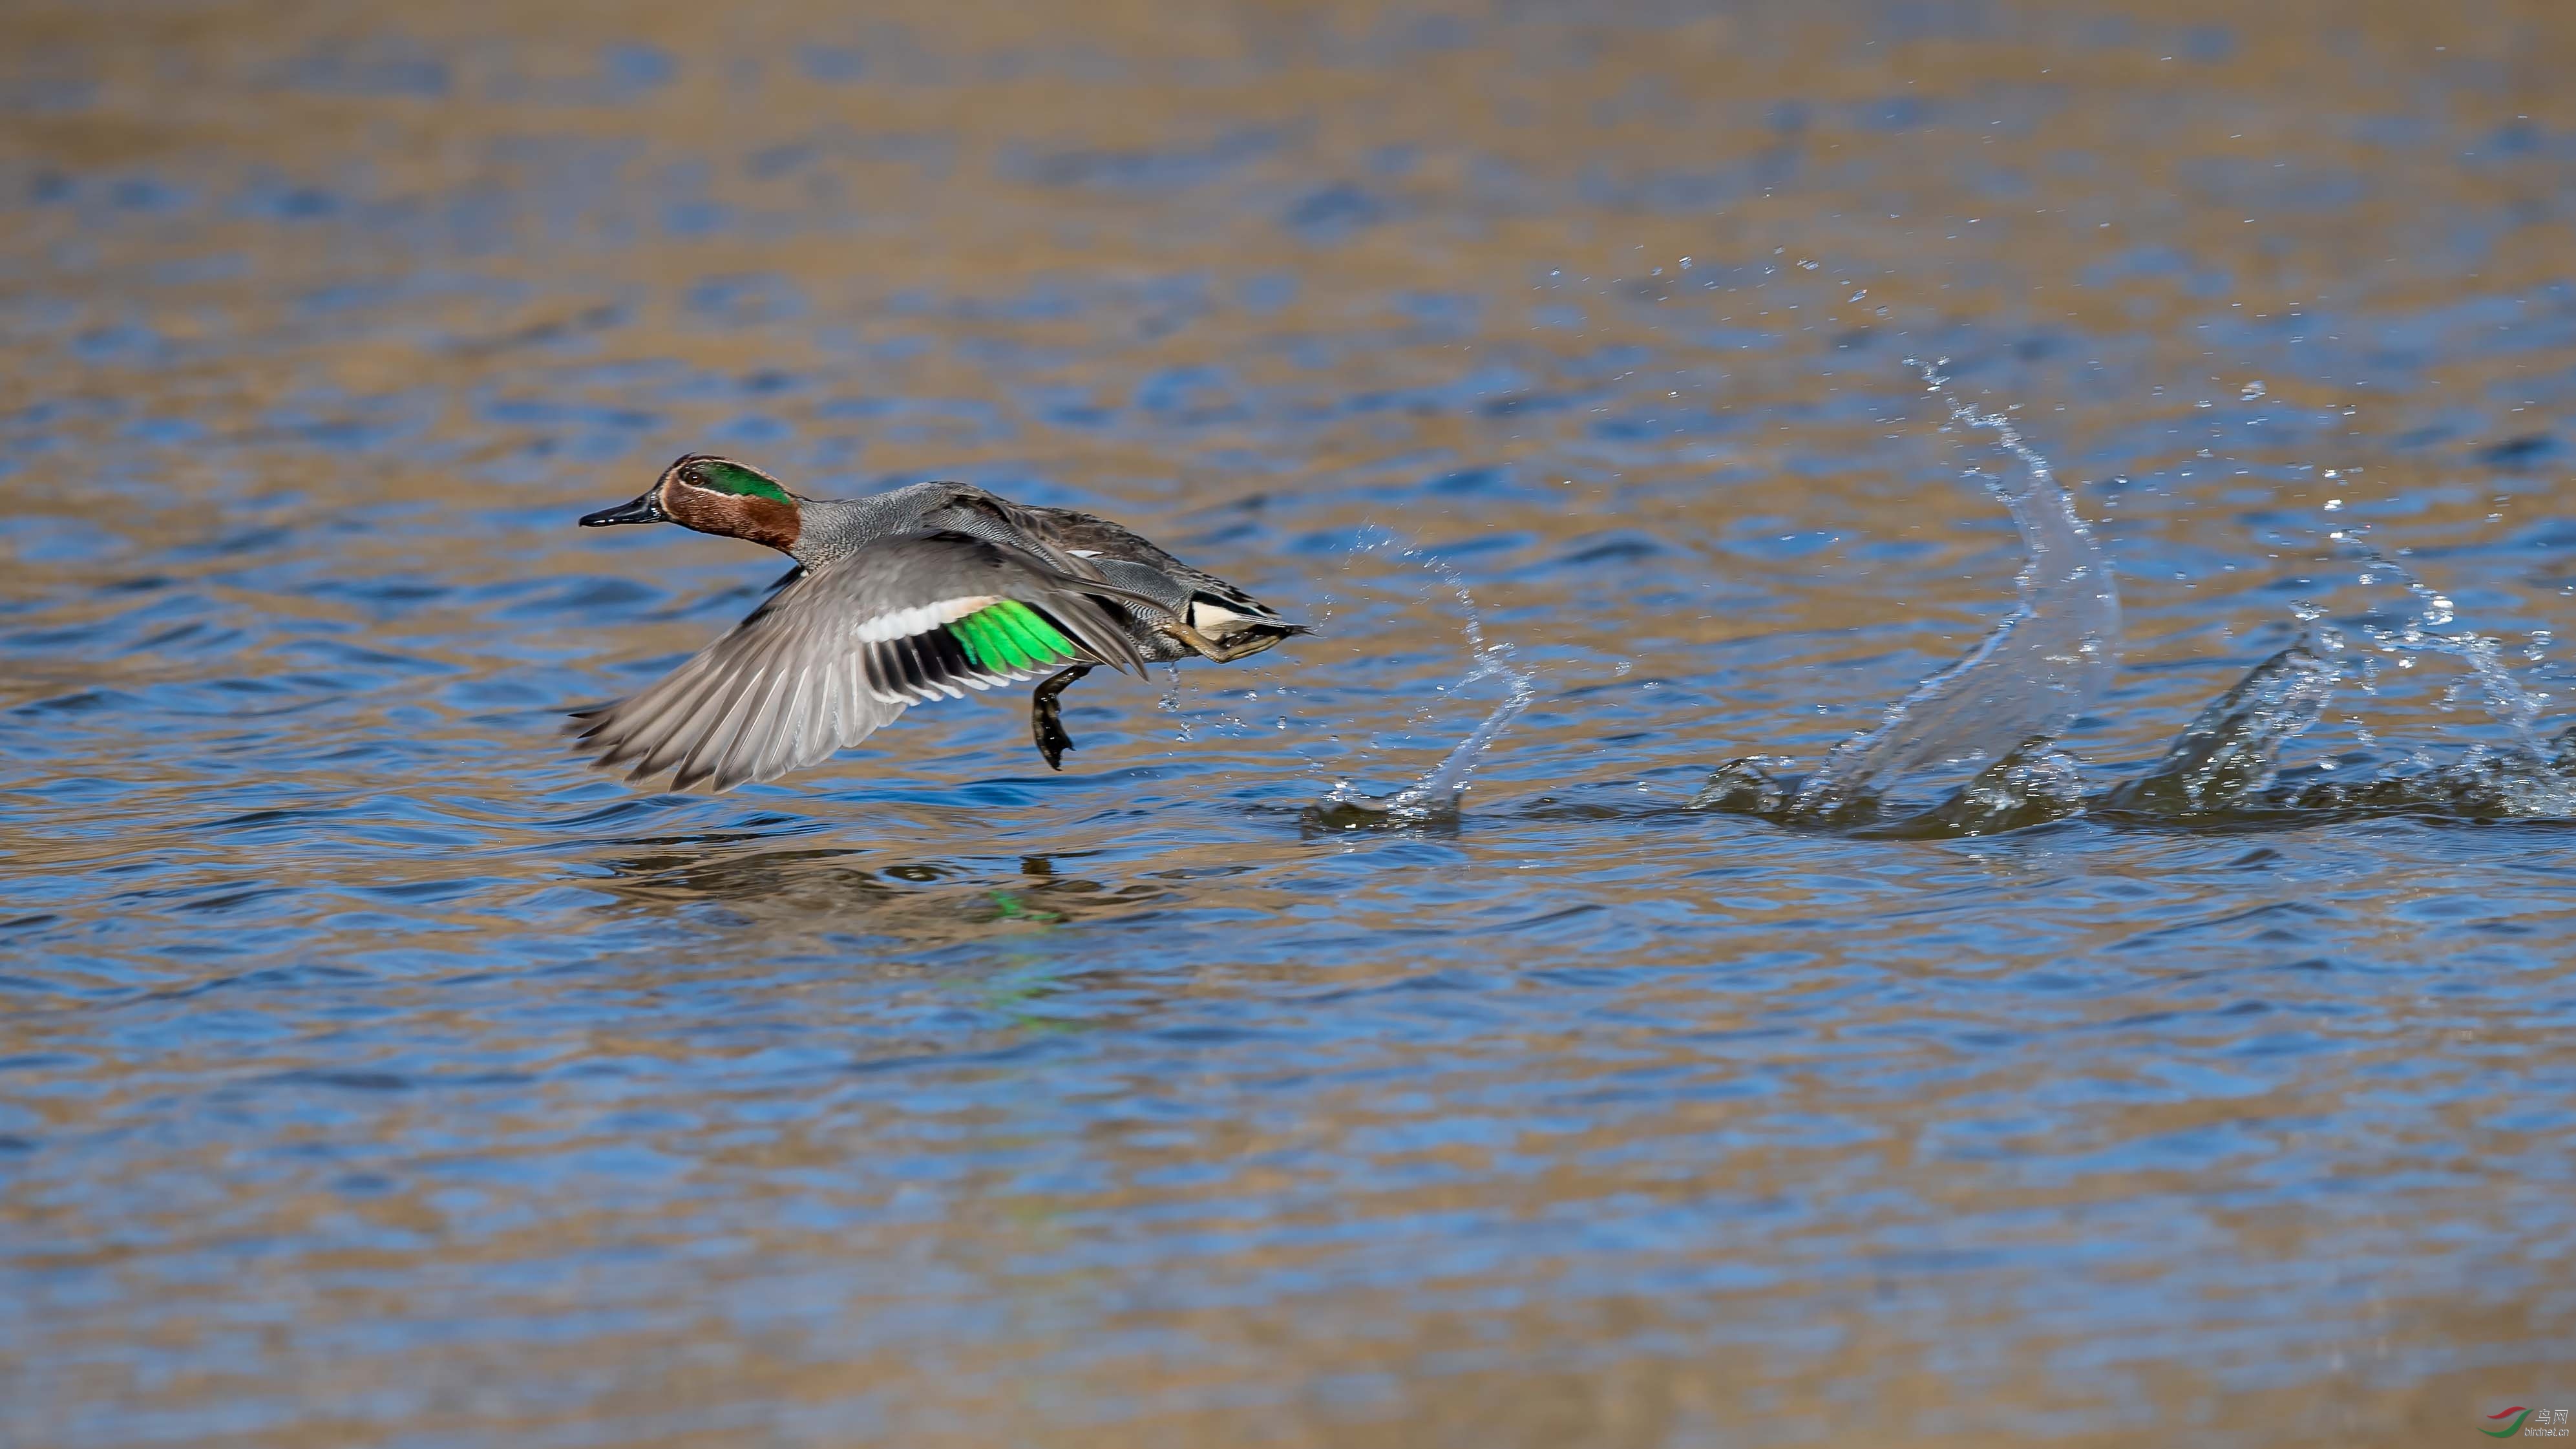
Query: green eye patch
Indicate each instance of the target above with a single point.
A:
(721, 477)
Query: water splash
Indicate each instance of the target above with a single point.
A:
(1435, 797)
(2230, 753)
(1440, 789)
(2225, 770)
(1170, 704)
(2009, 698)
(2428, 630)
(2033, 785)
(2225, 767)
(2483, 784)
(2029, 679)
(2524, 777)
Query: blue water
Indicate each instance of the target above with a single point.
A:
(371, 1072)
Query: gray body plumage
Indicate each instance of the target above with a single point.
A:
(1078, 543)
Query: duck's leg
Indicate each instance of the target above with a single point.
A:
(1249, 642)
(1045, 724)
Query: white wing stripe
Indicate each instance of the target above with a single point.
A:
(921, 618)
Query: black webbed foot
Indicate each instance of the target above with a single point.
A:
(1046, 724)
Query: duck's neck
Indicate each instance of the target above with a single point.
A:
(832, 527)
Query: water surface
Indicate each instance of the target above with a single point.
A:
(371, 1072)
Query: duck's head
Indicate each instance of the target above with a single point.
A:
(713, 495)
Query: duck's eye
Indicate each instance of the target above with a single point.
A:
(693, 476)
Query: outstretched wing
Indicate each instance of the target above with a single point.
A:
(835, 655)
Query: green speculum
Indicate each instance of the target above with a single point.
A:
(1010, 635)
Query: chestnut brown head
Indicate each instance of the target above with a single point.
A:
(713, 495)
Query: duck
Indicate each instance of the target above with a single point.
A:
(900, 598)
